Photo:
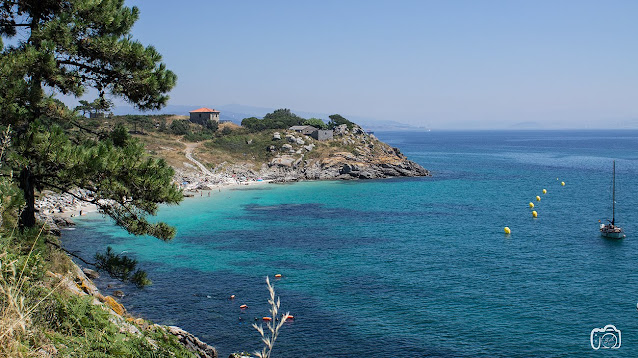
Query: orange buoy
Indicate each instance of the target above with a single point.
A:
(291, 317)
(243, 306)
(278, 275)
(266, 318)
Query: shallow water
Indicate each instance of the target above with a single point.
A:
(408, 267)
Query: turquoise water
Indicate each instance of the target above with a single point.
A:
(408, 267)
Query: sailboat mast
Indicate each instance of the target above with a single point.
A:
(613, 197)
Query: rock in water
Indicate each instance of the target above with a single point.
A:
(92, 274)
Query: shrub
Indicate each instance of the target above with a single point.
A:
(337, 119)
(279, 119)
(180, 127)
(119, 135)
(211, 125)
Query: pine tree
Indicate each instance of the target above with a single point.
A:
(51, 47)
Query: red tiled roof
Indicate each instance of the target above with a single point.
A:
(204, 110)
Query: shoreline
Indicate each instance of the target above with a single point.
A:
(53, 205)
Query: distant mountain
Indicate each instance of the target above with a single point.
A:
(237, 112)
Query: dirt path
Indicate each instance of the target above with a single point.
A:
(189, 155)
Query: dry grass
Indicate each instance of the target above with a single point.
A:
(15, 309)
(273, 326)
(165, 146)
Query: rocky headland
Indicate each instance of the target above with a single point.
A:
(292, 156)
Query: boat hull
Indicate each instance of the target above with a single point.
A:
(611, 232)
(613, 235)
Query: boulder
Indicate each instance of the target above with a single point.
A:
(291, 138)
(300, 141)
(283, 161)
(341, 129)
(193, 343)
(92, 274)
(286, 147)
(276, 136)
(118, 293)
(63, 222)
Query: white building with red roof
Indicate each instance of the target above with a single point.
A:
(204, 115)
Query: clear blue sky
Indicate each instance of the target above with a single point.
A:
(439, 64)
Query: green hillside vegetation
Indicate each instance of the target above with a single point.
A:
(165, 136)
(37, 315)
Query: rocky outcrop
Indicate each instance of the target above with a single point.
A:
(193, 343)
(350, 154)
(77, 282)
(357, 156)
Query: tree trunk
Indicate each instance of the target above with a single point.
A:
(27, 217)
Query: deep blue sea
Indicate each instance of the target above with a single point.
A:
(413, 267)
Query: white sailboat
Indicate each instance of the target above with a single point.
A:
(611, 230)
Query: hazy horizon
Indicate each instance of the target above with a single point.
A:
(439, 65)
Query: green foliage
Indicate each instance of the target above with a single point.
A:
(246, 146)
(99, 105)
(253, 123)
(206, 132)
(35, 311)
(140, 279)
(227, 131)
(211, 125)
(81, 329)
(65, 47)
(181, 127)
(121, 267)
(336, 120)
(10, 196)
(140, 122)
(116, 265)
(279, 119)
(162, 125)
(197, 137)
(315, 122)
(126, 183)
(119, 135)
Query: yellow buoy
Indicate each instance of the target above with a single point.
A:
(534, 213)
(507, 230)
(538, 198)
(562, 183)
(531, 205)
(544, 191)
